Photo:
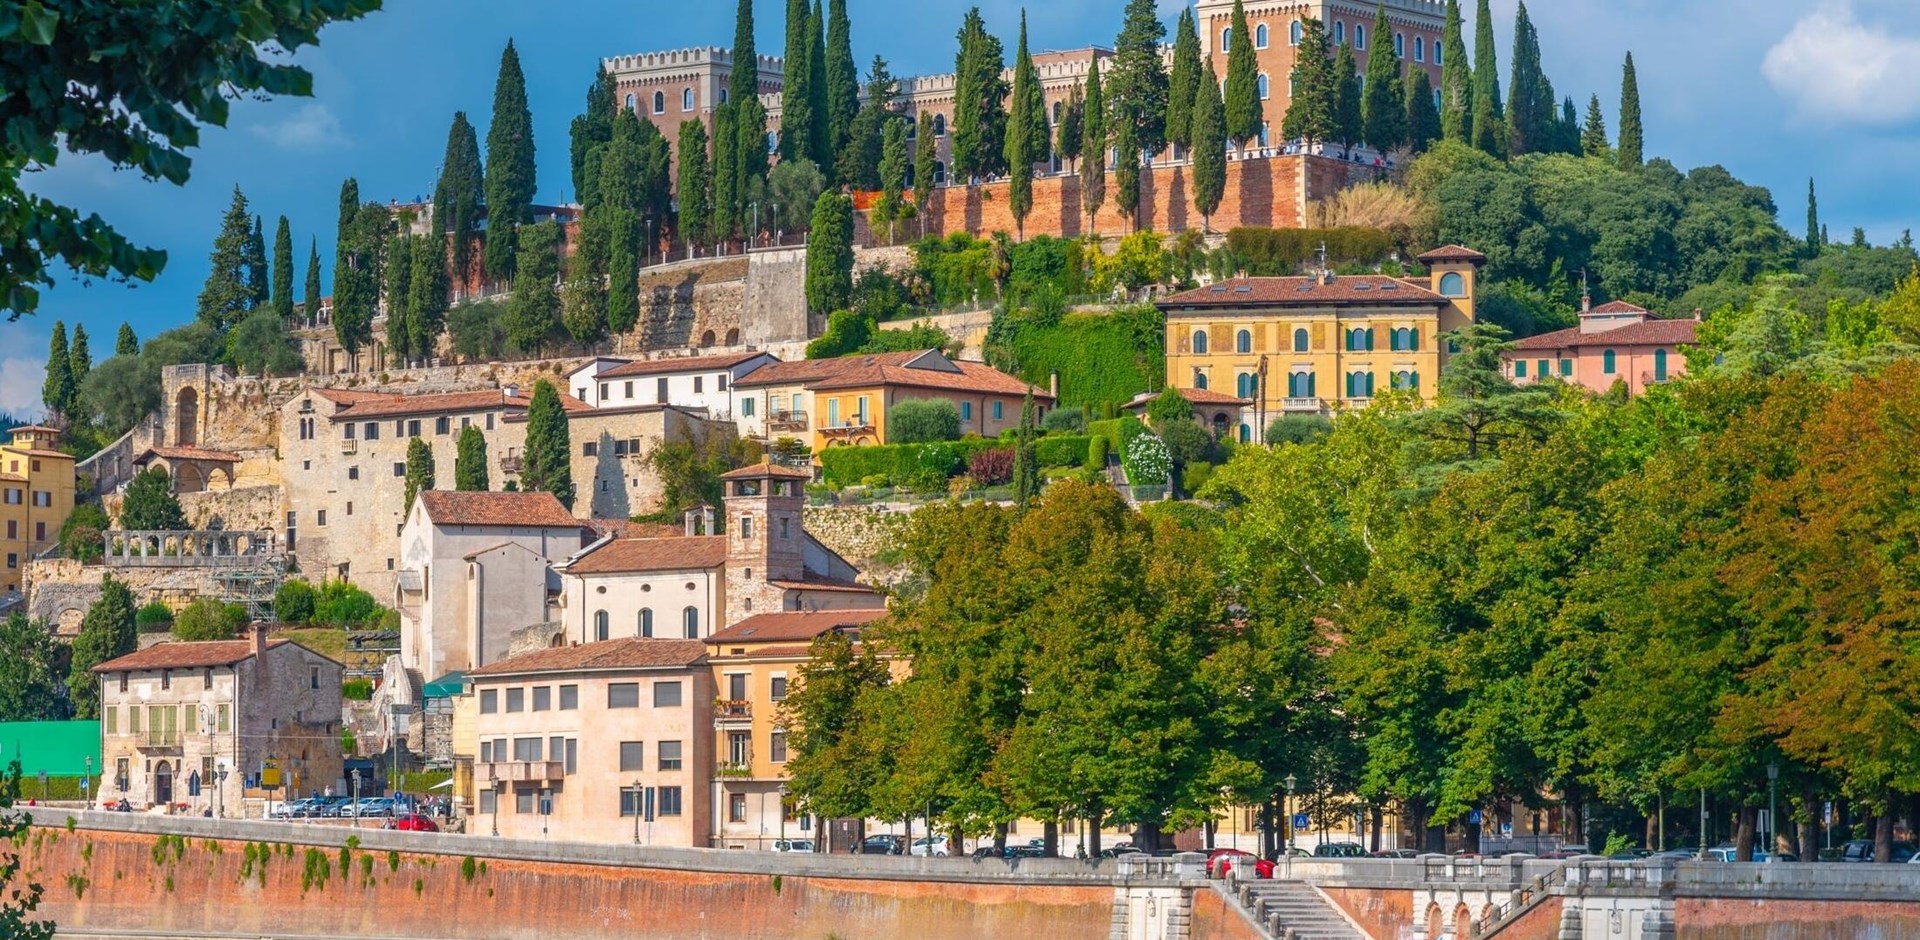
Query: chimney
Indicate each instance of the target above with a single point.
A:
(258, 630)
(693, 521)
(511, 391)
(1696, 315)
(1053, 384)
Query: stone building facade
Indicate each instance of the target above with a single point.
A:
(36, 494)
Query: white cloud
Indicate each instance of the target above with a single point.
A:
(20, 381)
(1838, 71)
(311, 126)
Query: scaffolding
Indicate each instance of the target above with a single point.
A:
(252, 588)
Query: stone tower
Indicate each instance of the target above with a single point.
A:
(765, 541)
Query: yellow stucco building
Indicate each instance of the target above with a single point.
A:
(1310, 345)
(36, 494)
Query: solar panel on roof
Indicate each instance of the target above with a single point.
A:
(1243, 289)
(1363, 286)
(1389, 285)
(1304, 288)
(1219, 288)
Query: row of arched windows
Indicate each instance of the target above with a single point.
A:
(660, 100)
(689, 623)
(1296, 32)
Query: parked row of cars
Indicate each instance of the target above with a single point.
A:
(339, 807)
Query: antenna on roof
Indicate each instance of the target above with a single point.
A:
(1586, 298)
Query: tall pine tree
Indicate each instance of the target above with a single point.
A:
(510, 171)
(227, 295)
(57, 392)
(696, 184)
(748, 149)
(893, 175)
(726, 177)
(1349, 114)
(548, 467)
(1815, 234)
(1137, 85)
(470, 461)
(1631, 139)
(796, 95)
(1383, 109)
(310, 298)
(821, 152)
(1310, 117)
(1093, 148)
(1126, 169)
(533, 312)
(979, 119)
(1209, 145)
(1183, 80)
(80, 356)
(858, 163)
(257, 267)
(459, 194)
(399, 269)
(1489, 118)
(1018, 146)
(1423, 120)
(419, 478)
(1243, 107)
(829, 281)
(427, 293)
(925, 153)
(843, 87)
(355, 283)
(1531, 103)
(283, 270)
(1067, 131)
(126, 343)
(1456, 79)
(591, 129)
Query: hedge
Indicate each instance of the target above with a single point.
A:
(1062, 450)
(1271, 252)
(1101, 358)
(910, 464)
(1119, 432)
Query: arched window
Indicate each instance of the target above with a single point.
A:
(1300, 340)
(659, 102)
(723, 95)
(599, 624)
(692, 617)
(1436, 55)
(1295, 32)
(1056, 112)
(1200, 343)
(1226, 39)
(1400, 45)
(1243, 341)
(1419, 49)
(1264, 127)
(1246, 433)
(1339, 32)
(1219, 426)
(939, 173)
(1607, 362)
(1659, 365)
(1199, 379)
(631, 101)
(1452, 285)
(1359, 36)
(686, 99)
(1261, 84)
(773, 141)
(1243, 384)
(939, 125)
(646, 622)
(1260, 36)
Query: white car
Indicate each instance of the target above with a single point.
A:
(939, 846)
(793, 845)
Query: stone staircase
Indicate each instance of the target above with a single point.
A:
(1293, 910)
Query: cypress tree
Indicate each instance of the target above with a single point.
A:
(748, 149)
(842, 88)
(583, 298)
(1069, 128)
(227, 295)
(548, 467)
(893, 175)
(310, 302)
(1815, 234)
(1569, 130)
(1383, 106)
(1020, 121)
(796, 97)
(355, 290)
(696, 184)
(820, 152)
(510, 172)
(458, 194)
(1243, 106)
(1209, 145)
(257, 267)
(107, 631)
(1137, 86)
(858, 162)
(400, 333)
(1423, 121)
(1026, 459)
(1310, 118)
(427, 292)
(925, 152)
(80, 358)
(591, 129)
(1631, 139)
(1183, 81)
(1528, 115)
(1349, 113)
(419, 470)
(979, 117)
(1039, 133)
(57, 392)
(283, 271)
(126, 343)
(533, 313)
(623, 269)
(470, 461)
(1456, 79)
(1488, 130)
(1093, 148)
(1126, 170)
(830, 254)
(726, 176)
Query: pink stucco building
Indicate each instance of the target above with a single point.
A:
(1615, 342)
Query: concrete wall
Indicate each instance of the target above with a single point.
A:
(773, 306)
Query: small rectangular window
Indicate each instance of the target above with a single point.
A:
(669, 755)
(569, 697)
(603, 391)
(556, 748)
(442, 425)
(666, 695)
(626, 388)
(399, 468)
(573, 755)
(489, 802)
(779, 690)
(112, 716)
(746, 407)
(633, 755)
(696, 385)
(320, 518)
(372, 431)
(623, 695)
(486, 752)
(516, 700)
(542, 698)
(590, 449)
(413, 429)
(353, 473)
(523, 801)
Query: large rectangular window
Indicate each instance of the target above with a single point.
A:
(624, 695)
(526, 749)
(668, 802)
(489, 802)
(630, 800)
(669, 755)
(666, 695)
(633, 755)
(523, 801)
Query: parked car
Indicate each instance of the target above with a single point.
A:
(324, 807)
(1396, 853)
(938, 846)
(1339, 850)
(1223, 862)
(368, 806)
(1117, 850)
(411, 822)
(793, 845)
(1861, 850)
(883, 845)
(289, 809)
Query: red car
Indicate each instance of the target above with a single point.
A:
(1220, 862)
(412, 822)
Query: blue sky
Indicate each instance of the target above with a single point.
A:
(1776, 90)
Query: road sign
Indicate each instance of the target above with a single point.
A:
(1474, 817)
(1300, 821)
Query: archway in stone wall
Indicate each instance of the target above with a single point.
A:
(706, 340)
(1462, 920)
(1433, 921)
(186, 418)
(187, 478)
(733, 336)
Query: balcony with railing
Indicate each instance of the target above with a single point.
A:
(349, 445)
(1300, 405)
(511, 463)
(519, 771)
(733, 712)
(787, 421)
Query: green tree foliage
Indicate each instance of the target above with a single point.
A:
(920, 420)
(1530, 99)
(592, 129)
(583, 296)
(282, 296)
(1349, 115)
(1137, 84)
(1383, 107)
(1026, 460)
(135, 85)
(820, 148)
(533, 313)
(830, 253)
(399, 271)
(149, 504)
(1815, 236)
(797, 97)
(1423, 122)
(208, 618)
(925, 153)
(478, 330)
(1019, 150)
(509, 173)
(1310, 116)
(748, 150)
(783, 202)
(1479, 409)
(57, 392)
(310, 298)
(1183, 81)
(548, 467)
(842, 91)
(260, 345)
(696, 184)
(459, 194)
(1069, 130)
(979, 124)
(1631, 134)
(1456, 80)
(106, 631)
(892, 206)
(32, 681)
(228, 294)
(427, 293)
(1489, 117)
(858, 161)
(257, 265)
(356, 284)
(1593, 140)
(294, 602)
(79, 356)
(470, 461)
(1208, 139)
(80, 534)
(126, 343)
(1093, 146)
(419, 471)
(1242, 95)
(1126, 171)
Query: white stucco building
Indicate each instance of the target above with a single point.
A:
(693, 382)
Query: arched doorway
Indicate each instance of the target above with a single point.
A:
(163, 783)
(706, 339)
(186, 417)
(733, 337)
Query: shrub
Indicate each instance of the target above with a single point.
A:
(992, 466)
(1195, 476)
(1069, 420)
(1298, 429)
(923, 420)
(921, 466)
(357, 690)
(294, 602)
(1062, 450)
(156, 617)
(208, 618)
(1169, 407)
(1101, 358)
(80, 535)
(1119, 432)
(342, 605)
(1147, 460)
(1268, 252)
(1188, 443)
(1097, 450)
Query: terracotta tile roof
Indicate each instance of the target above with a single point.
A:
(683, 364)
(629, 529)
(824, 584)
(447, 507)
(675, 553)
(387, 406)
(1194, 396)
(348, 396)
(780, 652)
(43, 453)
(19, 428)
(1646, 333)
(1370, 289)
(625, 653)
(177, 655)
(788, 626)
(973, 378)
(188, 453)
(1452, 253)
(1618, 306)
(805, 371)
(766, 468)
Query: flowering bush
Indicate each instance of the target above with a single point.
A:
(991, 467)
(1148, 462)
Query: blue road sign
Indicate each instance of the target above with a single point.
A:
(1300, 821)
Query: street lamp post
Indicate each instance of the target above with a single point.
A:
(219, 791)
(1773, 818)
(647, 258)
(354, 787)
(86, 789)
(783, 816)
(755, 232)
(1286, 825)
(636, 812)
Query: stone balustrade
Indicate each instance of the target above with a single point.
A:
(191, 548)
